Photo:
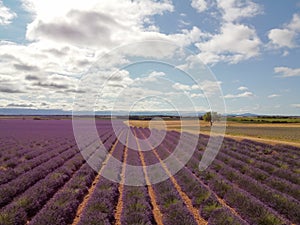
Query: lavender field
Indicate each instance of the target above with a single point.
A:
(44, 179)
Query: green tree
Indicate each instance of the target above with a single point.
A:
(211, 117)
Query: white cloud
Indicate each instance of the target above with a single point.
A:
(207, 87)
(210, 87)
(6, 15)
(234, 10)
(183, 23)
(243, 88)
(66, 37)
(286, 36)
(93, 23)
(296, 105)
(154, 76)
(234, 43)
(199, 5)
(199, 95)
(183, 87)
(274, 96)
(287, 72)
(245, 94)
(282, 37)
(285, 53)
(188, 37)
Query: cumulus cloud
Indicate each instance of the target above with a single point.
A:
(234, 10)
(287, 35)
(91, 23)
(234, 43)
(10, 89)
(274, 96)
(24, 67)
(199, 5)
(15, 105)
(153, 76)
(245, 94)
(31, 77)
(82, 28)
(296, 105)
(183, 87)
(65, 38)
(188, 37)
(242, 88)
(208, 87)
(287, 72)
(6, 15)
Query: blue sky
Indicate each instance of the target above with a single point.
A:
(251, 47)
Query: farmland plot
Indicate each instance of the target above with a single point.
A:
(44, 179)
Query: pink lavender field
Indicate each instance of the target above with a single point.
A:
(44, 179)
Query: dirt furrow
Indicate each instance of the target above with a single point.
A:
(119, 208)
(185, 198)
(156, 211)
(220, 200)
(93, 186)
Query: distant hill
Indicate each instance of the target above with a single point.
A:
(247, 115)
(32, 112)
(59, 112)
(49, 112)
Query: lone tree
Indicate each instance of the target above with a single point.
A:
(211, 117)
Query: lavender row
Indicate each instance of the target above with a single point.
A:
(279, 147)
(32, 200)
(212, 175)
(171, 205)
(102, 203)
(265, 166)
(252, 210)
(264, 153)
(136, 206)
(202, 198)
(61, 209)
(9, 190)
(242, 155)
(283, 204)
(100, 207)
(44, 156)
(278, 184)
(290, 150)
(280, 202)
(26, 148)
(268, 154)
(37, 158)
(226, 190)
(168, 199)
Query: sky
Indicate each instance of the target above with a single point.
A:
(230, 56)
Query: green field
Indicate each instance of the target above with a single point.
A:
(262, 119)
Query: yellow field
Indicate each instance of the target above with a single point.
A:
(268, 133)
